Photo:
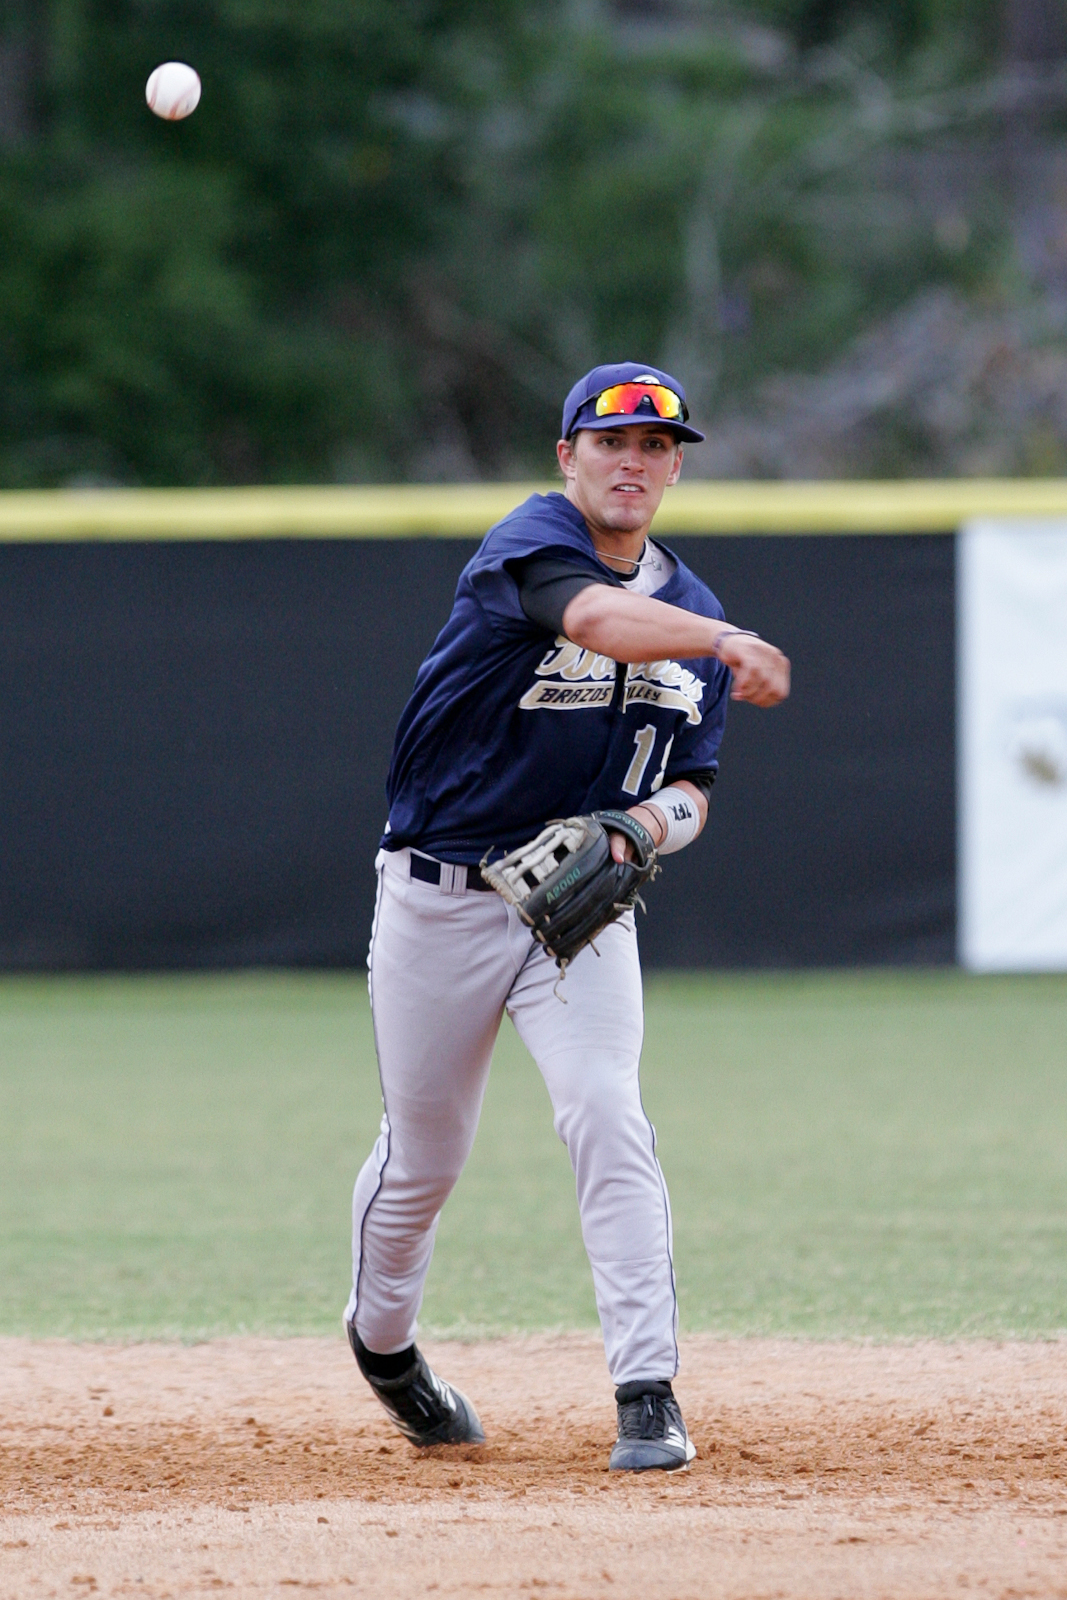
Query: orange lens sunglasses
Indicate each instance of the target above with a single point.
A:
(624, 398)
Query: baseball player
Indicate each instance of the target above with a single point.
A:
(583, 674)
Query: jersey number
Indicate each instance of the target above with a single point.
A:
(645, 740)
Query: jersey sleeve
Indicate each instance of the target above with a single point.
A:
(544, 528)
(547, 585)
(704, 781)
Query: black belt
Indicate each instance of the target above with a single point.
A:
(428, 871)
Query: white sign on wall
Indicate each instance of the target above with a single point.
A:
(1012, 731)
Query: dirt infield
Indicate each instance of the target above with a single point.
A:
(263, 1467)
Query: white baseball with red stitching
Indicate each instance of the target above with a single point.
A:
(173, 91)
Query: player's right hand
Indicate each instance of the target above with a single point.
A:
(761, 672)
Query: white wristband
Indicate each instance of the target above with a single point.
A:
(681, 816)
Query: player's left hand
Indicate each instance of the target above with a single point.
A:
(761, 672)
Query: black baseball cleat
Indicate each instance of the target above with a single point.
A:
(425, 1408)
(651, 1431)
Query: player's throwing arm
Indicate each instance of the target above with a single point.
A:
(634, 627)
(631, 627)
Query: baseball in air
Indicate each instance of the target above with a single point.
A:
(173, 91)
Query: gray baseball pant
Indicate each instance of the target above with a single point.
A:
(445, 964)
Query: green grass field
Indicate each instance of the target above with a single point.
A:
(848, 1154)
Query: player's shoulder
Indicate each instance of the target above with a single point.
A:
(541, 522)
(544, 523)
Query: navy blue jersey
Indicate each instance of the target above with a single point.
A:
(508, 726)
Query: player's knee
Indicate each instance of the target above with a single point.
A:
(606, 1105)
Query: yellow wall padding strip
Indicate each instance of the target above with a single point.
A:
(467, 510)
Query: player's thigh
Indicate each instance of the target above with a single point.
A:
(584, 1033)
(440, 970)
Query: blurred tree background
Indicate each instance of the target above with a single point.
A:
(393, 234)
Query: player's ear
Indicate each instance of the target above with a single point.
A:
(565, 456)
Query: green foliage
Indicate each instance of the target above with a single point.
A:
(392, 235)
(218, 300)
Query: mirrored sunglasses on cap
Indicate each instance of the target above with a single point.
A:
(624, 399)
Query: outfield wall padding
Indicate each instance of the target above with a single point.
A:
(194, 738)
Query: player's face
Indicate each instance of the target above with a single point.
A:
(616, 476)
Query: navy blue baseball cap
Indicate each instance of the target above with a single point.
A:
(580, 406)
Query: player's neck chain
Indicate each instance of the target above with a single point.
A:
(649, 557)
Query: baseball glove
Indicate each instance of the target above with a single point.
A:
(566, 884)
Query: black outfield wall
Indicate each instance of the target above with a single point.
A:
(194, 739)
